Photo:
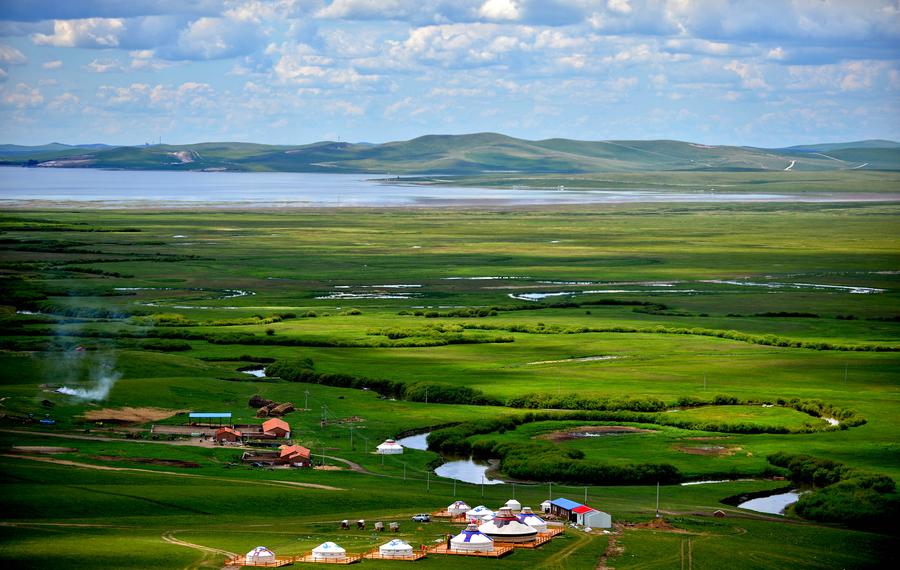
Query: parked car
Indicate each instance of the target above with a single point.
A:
(422, 517)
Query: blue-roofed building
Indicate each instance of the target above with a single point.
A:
(563, 508)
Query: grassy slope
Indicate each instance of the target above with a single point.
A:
(480, 152)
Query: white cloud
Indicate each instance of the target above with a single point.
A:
(54, 64)
(89, 32)
(346, 108)
(66, 102)
(500, 10)
(750, 74)
(3, 75)
(22, 96)
(215, 38)
(11, 56)
(104, 66)
(620, 6)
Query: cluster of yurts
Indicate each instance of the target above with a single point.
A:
(512, 523)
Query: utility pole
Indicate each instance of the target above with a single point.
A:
(657, 499)
(585, 495)
(704, 380)
(404, 470)
(482, 485)
(454, 488)
(845, 372)
(323, 457)
(306, 401)
(550, 492)
(351, 439)
(367, 442)
(514, 490)
(382, 460)
(426, 394)
(428, 481)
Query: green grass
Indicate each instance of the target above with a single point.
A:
(290, 258)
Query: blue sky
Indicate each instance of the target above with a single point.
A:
(752, 72)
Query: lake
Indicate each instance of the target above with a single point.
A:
(148, 188)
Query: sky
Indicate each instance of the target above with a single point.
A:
(768, 73)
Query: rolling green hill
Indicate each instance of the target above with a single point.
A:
(468, 154)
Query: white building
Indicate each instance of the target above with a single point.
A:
(260, 555)
(458, 508)
(396, 549)
(328, 551)
(472, 540)
(389, 447)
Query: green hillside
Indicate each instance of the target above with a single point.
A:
(467, 154)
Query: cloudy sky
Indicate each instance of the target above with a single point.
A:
(754, 72)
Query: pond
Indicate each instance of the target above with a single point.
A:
(467, 471)
(258, 372)
(773, 504)
(464, 470)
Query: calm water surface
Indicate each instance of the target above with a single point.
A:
(140, 188)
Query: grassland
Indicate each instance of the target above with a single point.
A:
(231, 276)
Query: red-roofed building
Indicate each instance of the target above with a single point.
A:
(227, 434)
(585, 515)
(295, 455)
(276, 427)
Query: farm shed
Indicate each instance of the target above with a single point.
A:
(587, 516)
(295, 455)
(227, 434)
(209, 418)
(472, 540)
(563, 508)
(276, 427)
(260, 555)
(545, 507)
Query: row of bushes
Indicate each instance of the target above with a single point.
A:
(179, 320)
(302, 370)
(847, 417)
(542, 461)
(765, 340)
(842, 494)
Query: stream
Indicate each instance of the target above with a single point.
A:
(464, 470)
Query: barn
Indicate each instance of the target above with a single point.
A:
(276, 427)
(227, 434)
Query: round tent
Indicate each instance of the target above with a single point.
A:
(260, 555)
(513, 505)
(396, 549)
(389, 447)
(472, 540)
(506, 528)
(328, 551)
(479, 513)
(532, 520)
(458, 508)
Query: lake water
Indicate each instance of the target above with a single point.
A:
(465, 470)
(142, 188)
(773, 504)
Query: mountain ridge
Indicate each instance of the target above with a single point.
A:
(463, 154)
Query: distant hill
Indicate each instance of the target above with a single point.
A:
(463, 154)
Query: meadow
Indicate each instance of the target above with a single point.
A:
(717, 317)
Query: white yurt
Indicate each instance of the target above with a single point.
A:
(328, 551)
(472, 540)
(396, 549)
(532, 520)
(506, 528)
(390, 447)
(479, 513)
(260, 555)
(458, 508)
(513, 505)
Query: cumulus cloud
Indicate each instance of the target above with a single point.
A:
(11, 56)
(53, 64)
(750, 74)
(22, 96)
(500, 10)
(104, 66)
(88, 32)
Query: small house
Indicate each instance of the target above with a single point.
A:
(276, 427)
(227, 434)
(563, 508)
(328, 551)
(295, 455)
(585, 515)
(396, 549)
(260, 556)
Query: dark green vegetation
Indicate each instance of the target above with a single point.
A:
(468, 154)
(697, 340)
